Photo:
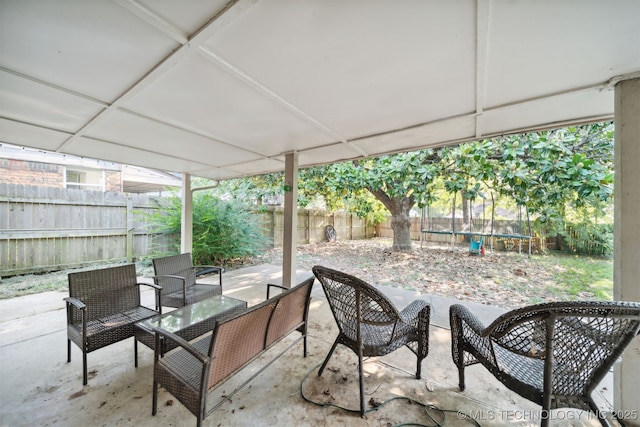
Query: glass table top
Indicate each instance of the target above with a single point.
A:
(192, 314)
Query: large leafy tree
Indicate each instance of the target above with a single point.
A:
(543, 170)
(546, 171)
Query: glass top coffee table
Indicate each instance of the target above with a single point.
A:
(190, 321)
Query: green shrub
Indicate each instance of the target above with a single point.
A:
(589, 239)
(222, 230)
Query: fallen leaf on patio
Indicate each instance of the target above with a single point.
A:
(169, 402)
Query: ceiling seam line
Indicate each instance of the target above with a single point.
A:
(157, 71)
(416, 126)
(68, 133)
(266, 91)
(599, 86)
(482, 48)
(153, 19)
(144, 150)
(192, 132)
(54, 86)
(271, 94)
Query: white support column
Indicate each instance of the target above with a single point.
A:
(186, 224)
(290, 219)
(626, 257)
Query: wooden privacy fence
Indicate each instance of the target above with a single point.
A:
(47, 228)
(312, 223)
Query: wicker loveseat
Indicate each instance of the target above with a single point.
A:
(553, 354)
(195, 368)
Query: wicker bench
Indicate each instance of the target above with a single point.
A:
(194, 369)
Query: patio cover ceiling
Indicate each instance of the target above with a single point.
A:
(222, 90)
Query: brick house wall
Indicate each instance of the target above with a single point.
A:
(24, 172)
(113, 181)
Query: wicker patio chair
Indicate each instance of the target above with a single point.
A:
(176, 274)
(553, 354)
(102, 307)
(369, 323)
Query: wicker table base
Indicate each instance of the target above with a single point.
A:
(190, 321)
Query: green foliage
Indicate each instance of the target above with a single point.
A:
(222, 230)
(550, 172)
(587, 238)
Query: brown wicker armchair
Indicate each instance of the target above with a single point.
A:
(553, 354)
(102, 307)
(176, 275)
(369, 323)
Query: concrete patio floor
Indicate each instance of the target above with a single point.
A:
(38, 387)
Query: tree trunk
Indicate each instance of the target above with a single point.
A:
(400, 208)
(401, 225)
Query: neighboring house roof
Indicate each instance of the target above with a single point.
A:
(137, 179)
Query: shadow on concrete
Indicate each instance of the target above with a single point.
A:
(38, 387)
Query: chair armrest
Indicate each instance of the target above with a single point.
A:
(171, 276)
(416, 312)
(269, 285)
(158, 291)
(215, 268)
(424, 317)
(461, 314)
(153, 285)
(168, 276)
(180, 342)
(76, 302)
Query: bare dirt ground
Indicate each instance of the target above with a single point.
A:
(504, 279)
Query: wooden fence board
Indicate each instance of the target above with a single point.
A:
(46, 228)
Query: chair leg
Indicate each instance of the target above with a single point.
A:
(135, 352)
(304, 342)
(460, 364)
(68, 351)
(361, 374)
(602, 416)
(84, 368)
(419, 369)
(546, 411)
(545, 414)
(154, 408)
(461, 378)
(326, 360)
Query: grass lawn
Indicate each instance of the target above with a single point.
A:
(582, 276)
